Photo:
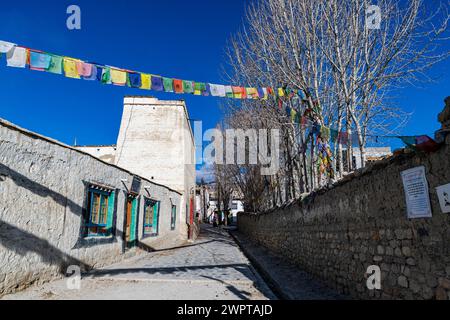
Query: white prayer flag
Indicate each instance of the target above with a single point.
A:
(17, 57)
(5, 47)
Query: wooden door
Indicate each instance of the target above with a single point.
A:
(128, 221)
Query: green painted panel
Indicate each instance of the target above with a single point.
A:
(133, 220)
(109, 221)
(156, 217)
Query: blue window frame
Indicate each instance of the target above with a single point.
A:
(151, 217)
(100, 211)
(173, 217)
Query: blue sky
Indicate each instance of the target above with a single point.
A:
(180, 39)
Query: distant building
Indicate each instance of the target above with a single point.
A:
(372, 154)
(236, 207)
(105, 153)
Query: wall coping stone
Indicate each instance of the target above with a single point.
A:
(306, 199)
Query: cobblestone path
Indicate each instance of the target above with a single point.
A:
(211, 268)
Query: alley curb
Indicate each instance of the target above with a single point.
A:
(273, 284)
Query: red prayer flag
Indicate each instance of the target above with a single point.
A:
(425, 143)
(178, 86)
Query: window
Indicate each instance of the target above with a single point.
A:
(234, 205)
(100, 211)
(151, 217)
(173, 218)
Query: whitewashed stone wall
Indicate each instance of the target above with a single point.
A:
(43, 190)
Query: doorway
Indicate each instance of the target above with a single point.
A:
(130, 221)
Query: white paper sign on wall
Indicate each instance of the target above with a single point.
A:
(444, 197)
(416, 193)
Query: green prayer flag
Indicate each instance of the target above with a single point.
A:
(168, 84)
(188, 87)
(55, 65)
(229, 92)
(325, 132)
(410, 141)
(293, 115)
(106, 76)
(200, 86)
(333, 135)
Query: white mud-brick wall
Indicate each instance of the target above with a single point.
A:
(43, 192)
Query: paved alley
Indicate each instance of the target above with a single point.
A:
(211, 268)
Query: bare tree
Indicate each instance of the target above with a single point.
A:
(347, 72)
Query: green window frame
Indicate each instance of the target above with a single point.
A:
(173, 217)
(100, 212)
(151, 217)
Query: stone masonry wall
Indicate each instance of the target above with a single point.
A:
(337, 234)
(42, 197)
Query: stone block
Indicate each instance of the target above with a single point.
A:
(444, 283)
(402, 281)
(440, 294)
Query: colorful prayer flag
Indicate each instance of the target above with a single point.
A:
(293, 115)
(106, 75)
(39, 61)
(423, 143)
(426, 144)
(157, 83)
(145, 81)
(94, 74)
(84, 69)
(188, 86)
(217, 90)
(342, 137)
(55, 65)
(325, 133)
(334, 135)
(168, 84)
(261, 93)
(199, 87)
(70, 68)
(229, 92)
(178, 86)
(207, 91)
(118, 77)
(237, 92)
(5, 47)
(17, 57)
(134, 79)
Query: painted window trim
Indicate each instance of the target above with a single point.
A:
(110, 196)
(144, 225)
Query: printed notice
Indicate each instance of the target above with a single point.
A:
(444, 197)
(416, 192)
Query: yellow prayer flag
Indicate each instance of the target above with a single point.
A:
(118, 77)
(197, 92)
(280, 92)
(70, 68)
(253, 92)
(146, 81)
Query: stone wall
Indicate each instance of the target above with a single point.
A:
(337, 234)
(43, 192)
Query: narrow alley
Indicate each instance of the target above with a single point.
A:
(211, 268)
